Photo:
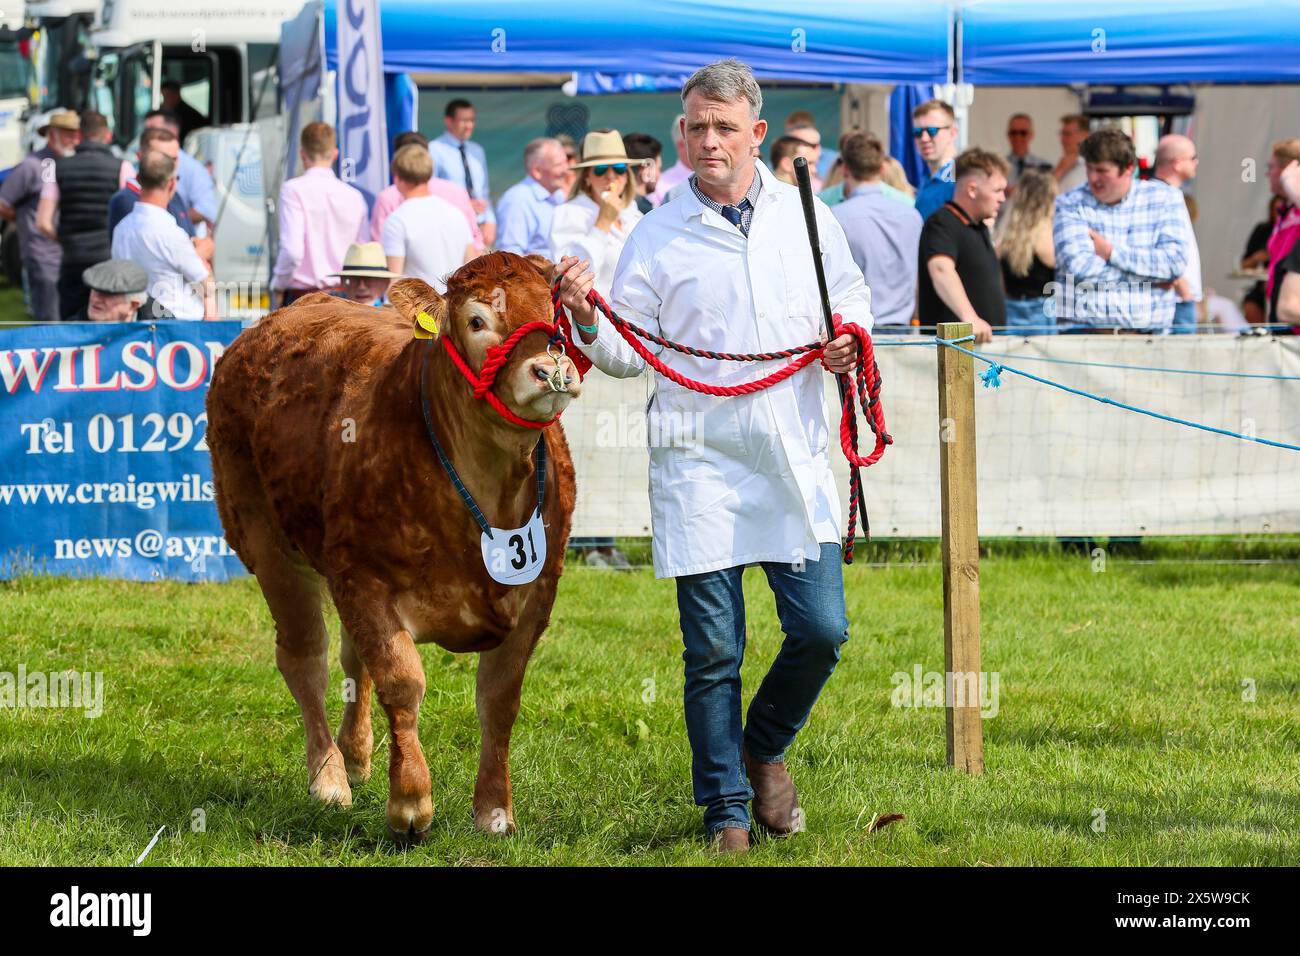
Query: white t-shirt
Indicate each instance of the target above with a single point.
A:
(150, 237)
(431, 234)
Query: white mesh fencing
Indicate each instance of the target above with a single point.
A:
(1049, 463)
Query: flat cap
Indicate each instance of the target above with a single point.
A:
(116, 277)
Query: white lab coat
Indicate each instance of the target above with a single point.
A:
(752, 481)
(574, 233)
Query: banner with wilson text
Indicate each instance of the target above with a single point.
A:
(104, 467)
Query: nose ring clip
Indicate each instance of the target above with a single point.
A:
(555, 350)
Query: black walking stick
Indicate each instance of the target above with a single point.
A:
(810, 220)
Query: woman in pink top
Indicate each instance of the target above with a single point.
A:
(1283, 172)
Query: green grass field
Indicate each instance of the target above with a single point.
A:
(1123, 693)
(12, 309)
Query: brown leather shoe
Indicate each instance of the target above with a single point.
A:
(731, 840)
(776, 802)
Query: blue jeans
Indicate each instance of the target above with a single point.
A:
(1184, 318)
(810, 605)
(1029, 317)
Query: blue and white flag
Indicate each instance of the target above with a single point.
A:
(363, 138)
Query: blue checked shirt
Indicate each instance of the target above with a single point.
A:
(452, 159)
(746, 207)
(1148, 230)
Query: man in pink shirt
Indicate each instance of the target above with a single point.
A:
(320, 216)
(389, 198)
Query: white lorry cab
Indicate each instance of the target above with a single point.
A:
(16, 88)
(15, 84)
(59, 35)
(210, 61)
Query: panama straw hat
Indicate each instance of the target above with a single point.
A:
(604, 146)
(365, 260)
(63, 119)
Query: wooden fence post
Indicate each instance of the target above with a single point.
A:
(961, 553)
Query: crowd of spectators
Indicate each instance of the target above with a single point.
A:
(1005, 241)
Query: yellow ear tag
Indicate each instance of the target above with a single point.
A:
(426, 326)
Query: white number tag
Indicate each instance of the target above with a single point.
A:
(516, 557)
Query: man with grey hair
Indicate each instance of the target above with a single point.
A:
(525, 211)
(726, 267)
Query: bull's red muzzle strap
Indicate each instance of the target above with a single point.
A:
(498, 355)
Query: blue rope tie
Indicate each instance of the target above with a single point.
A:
(918, 341)
(1103, 399)
(1146, 368)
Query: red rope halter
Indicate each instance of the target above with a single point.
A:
(498, 355)
(864, 384)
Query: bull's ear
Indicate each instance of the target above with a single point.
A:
(420, 304)
(545, 266)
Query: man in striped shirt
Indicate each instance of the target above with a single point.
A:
(1121, 242)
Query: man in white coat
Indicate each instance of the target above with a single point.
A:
(726, 266)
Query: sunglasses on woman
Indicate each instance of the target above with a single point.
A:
(620, 168)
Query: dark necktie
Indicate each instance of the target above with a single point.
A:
(469, 177)
(734, 216)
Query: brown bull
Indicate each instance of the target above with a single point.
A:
(325, 475)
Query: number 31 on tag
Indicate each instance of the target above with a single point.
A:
(516, 556)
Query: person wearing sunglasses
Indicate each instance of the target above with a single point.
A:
(1020, 133)
(593, 225)
(601, 211)
(1176, 163)
(934, 130)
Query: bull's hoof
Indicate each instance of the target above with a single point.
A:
(405, 839)
(409, 818)
(358, 771)
(330, 785)
(498, 821)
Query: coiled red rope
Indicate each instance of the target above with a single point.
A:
(864, 384)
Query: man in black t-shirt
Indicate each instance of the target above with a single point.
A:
(960, 280)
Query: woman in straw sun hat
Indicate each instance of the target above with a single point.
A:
(594, 224)
(365, 276)
(601, 210)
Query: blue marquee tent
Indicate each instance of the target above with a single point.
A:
(1002, 42)
(1037, 43)
(833, 41)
